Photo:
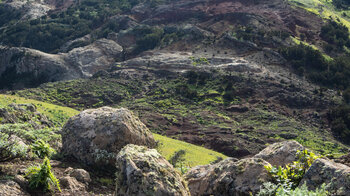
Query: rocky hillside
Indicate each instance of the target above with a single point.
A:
(232, 76)
(116, 161)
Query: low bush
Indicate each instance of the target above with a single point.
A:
(41, 177)
(336, 34)
(289, 177)
(42, 149)
(270, 189)
(177, 160)
(339, 118)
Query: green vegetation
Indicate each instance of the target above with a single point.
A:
(341, 4)
(42, 178)
(325, 9)
(337, 36)
(42, 149)
(286, 179)
(270, 189)
(195, 155)
(10, 149)
(197, 100)
(49, 33)
(340, 122)
(177, 160)
(58, 114)
(291, 175)
(311, 63)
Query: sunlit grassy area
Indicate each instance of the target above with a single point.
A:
(195, 155)
(56, 113)
(325, 9)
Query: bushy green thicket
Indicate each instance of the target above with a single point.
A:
(341, 4)
(340, 122)
(311, 63)
(41, 177)
(49, 33)
(336, 34)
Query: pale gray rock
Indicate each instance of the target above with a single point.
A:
(228, 177)
(324, 171)
(280, 154)
(11, 188)
(95, 136)
(142, 171)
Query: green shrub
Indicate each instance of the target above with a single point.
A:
(41, 177)
(270, 189)
(335, 34)
(177, 160)
(307, 61)
(42, 149)
(339, 118)
(291, 174)
(10, 149)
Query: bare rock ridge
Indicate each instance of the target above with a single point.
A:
(24, 67)
(96, 136)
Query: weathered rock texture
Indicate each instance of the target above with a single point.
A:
(328, 172)
(142, 171)
(24, 67)
(228, 177)
(281, 153)
(11, 188)
(95, 136)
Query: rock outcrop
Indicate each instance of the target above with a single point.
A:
(336, 175)
(80, 174)
(10, 188)
(95, 136)
(94, 57)
(24, 67)
(228, 177)
(142, 171)
(280, 154)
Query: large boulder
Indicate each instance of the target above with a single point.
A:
(228, 177)
(142, 171)
(281, 153)
(336, 175)
(96, 136)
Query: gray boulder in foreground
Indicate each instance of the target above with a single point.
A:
(142, 171)
(228, 177)
(336, 175)
(95, 136)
